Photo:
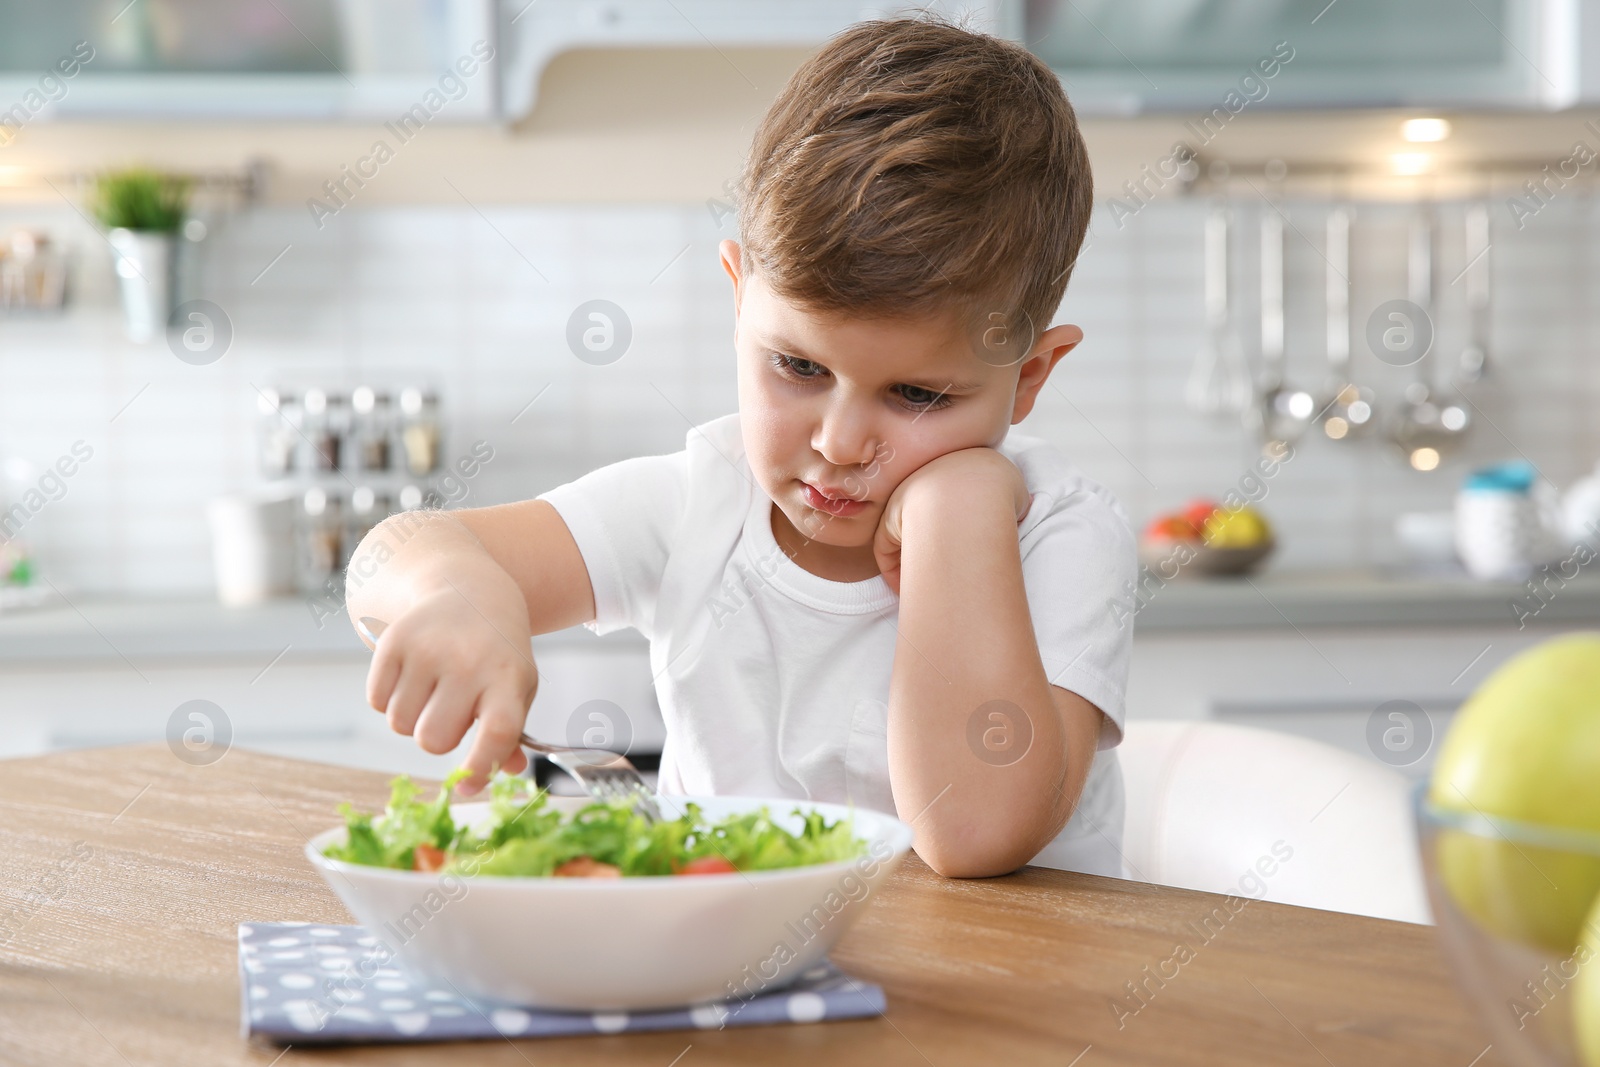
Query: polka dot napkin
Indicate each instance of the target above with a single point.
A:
(304, 984)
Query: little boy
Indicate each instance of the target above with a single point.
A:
(858, 588)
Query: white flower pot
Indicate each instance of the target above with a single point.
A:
(144, 272)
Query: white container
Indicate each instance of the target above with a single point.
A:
(252, 546)
(1581, 510)
(625, 944)
(144, 272)
(1507, 523)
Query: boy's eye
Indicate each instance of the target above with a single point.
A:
(923, 399)
(915, 397)
(797, 368)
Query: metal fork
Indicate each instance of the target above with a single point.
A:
(604, 775)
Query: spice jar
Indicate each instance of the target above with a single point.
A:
(324, 536)
(327, 422)
(281, 418)
(368, 507)
(371, 427)
(420, 430)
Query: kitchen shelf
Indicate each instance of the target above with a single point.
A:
(1282, 600)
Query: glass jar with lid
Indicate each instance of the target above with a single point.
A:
(420, 431)
(372, 427)
(281, 420)
(326, 424)
(324, 537)
(368, 507)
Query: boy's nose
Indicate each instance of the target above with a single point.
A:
(845, 439)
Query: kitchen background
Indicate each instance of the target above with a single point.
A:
(457, 270)
(474, 302)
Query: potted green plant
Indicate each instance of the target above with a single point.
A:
(142, 211)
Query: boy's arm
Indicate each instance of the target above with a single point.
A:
(986, 757)
(418, 551)
(531, 542)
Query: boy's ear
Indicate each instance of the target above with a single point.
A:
(1054, 343)
(730, 252)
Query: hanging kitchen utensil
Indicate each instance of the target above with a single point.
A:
(1345, 408)
(1475, 356)
(1453, 418)
(1427, 426)
(1281, 414)
(1219, 383)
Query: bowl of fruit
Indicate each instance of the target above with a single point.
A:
(1509, 828)
(1206, 538)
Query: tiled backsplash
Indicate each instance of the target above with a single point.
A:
(476, 300)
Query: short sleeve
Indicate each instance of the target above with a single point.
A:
(1078, 563)
(624, 518)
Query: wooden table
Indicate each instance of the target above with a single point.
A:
(126, 872)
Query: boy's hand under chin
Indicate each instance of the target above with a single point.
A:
(967, 477)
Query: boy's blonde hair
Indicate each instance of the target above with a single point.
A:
(912, 167)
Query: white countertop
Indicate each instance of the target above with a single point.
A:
(83, 628)
(1282, 599)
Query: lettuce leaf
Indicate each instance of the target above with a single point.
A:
(390, 839)
(525, 837)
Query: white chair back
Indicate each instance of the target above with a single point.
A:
(1270, 816)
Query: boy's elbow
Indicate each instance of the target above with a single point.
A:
(967, 866)
(1001, 836)
(954, 857)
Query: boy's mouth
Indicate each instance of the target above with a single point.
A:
(840, 506)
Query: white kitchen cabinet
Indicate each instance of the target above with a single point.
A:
(1323, 655)
(1176, 55)
(407, 64)
(1325, 683)
(310, 708)
(310, 705)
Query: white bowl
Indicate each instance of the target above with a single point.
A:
(627, 944)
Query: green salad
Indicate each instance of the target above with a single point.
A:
(525, 837)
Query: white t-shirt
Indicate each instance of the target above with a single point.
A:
(774, 681)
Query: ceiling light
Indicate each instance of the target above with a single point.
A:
(1419, 131)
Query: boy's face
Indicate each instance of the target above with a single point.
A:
(837, 411)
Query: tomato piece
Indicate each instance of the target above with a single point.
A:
(586, 867)
(427, 858)
(708, 865)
